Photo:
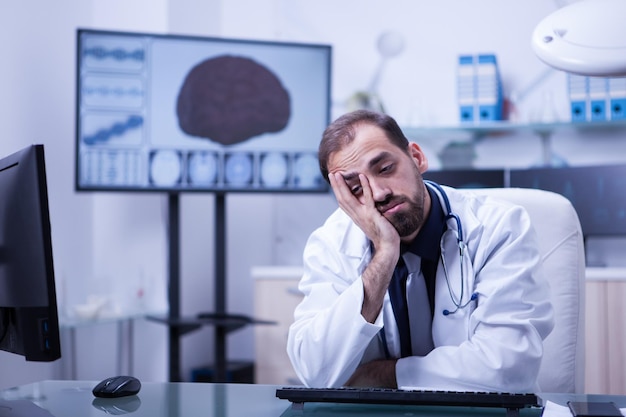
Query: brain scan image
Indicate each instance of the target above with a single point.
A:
(307, 172)
(274, 169)
(230, 99)
(238, 169)
(165, 168)
(203, 167)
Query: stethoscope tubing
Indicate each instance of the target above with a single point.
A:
(450, 215)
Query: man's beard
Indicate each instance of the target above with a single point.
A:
(408, 221)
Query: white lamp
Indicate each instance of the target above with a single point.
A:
(390, 45)
(586, 38)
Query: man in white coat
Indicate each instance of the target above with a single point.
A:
(475, 322)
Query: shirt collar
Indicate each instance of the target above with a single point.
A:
(426, 243)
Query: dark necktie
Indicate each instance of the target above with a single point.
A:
(397, 294)
(429, 269)
(421, 309)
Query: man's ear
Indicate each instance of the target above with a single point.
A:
(418, 156)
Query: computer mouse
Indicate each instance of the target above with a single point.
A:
(117, 386)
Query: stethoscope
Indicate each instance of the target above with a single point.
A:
(450, 215)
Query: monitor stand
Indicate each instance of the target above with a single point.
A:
(179, 326)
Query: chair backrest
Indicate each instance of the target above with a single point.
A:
(562, 250)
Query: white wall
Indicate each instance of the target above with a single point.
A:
(36, 103)
(112, 244)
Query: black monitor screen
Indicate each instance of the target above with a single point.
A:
(28, 310)
(598, 193)
(182, 113)
(468, 178)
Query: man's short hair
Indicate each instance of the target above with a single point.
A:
(341, 132)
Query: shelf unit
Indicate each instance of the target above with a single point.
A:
(544, 131)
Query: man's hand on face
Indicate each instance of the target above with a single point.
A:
(362, 210)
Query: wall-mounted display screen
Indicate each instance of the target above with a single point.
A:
(598, 193)
(180, 113)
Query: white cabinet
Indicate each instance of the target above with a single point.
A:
(276, 296)
(605, 331)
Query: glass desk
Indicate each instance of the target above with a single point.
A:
(74, 398)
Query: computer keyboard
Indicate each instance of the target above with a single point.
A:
(512, 402)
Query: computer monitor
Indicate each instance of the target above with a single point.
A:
(183, 113)
(28, 310)
(598, 193)
(468, 178)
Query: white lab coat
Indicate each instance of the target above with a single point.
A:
(493, 344)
